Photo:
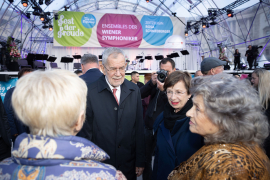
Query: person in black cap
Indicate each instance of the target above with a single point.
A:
(212, 66)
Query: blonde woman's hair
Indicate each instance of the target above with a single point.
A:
(50, 102)
(263, 86)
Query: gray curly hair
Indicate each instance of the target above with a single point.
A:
(233, 105)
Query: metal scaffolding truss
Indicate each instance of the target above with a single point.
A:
(248, 26)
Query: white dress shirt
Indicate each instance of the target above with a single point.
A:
(118, 92)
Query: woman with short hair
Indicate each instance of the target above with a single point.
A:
(227, 113)
(174, 141)
(52, 104)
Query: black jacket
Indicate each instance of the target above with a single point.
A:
(91, 75)
(5, 139)
(16, 126)
(117, 129)
(250, 55)
(156, 104)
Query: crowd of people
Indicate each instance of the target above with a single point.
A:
(58, 125)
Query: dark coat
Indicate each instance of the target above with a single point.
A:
(91, 75)
(172, 148)
(118, 130)
(5, 137)
(156, 105)
(139, 84)
(16, 126)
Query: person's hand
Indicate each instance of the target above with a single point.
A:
(154, 78)
(160, 85)
(139, 171)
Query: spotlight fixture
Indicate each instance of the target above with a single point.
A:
(56, 17)
(40, 2)
(44, 26)
(207, 25)
(196, 30)
(50, 27)
(36, 11)
(11, 1)
(203, 24)
(42, 17)
(210, 12)
(213, 21)
(214, 12)
(174, 14)
(188, 25)
(229, 13)
(66, 8)
(147, 1)
(28, 15)
(186, 33)
(25, 3)
(47, 2)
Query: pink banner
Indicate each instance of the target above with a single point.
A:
(119, 30)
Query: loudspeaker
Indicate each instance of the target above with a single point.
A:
(13, 66)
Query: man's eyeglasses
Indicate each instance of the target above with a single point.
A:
(114, 70)
(177, 93)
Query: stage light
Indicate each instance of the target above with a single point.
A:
(40, 2)
(147, 1)
(28, 15)
(36, 11)
(204, 25)
(66, 8)
(174, 14)
(25, 3)
(47, 2)
(213, 21)
(229, 13)
(186, 33)
(45, 26)
(214, 12)
(56, 16)
(207, 25)
(50, 27)
(42, 17)
(188, 25)
(210, 13)
(11, 1)
(196, 30)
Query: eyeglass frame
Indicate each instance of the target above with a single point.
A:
(173, 93)
(124, 70)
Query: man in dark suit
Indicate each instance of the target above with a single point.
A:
(91, 73)
(135, 78)
(90, 68)
(114, 118)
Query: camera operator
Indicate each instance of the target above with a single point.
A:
(157, 101)
(250, 57)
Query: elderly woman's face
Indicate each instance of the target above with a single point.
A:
(177, 95)
(199, 122)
